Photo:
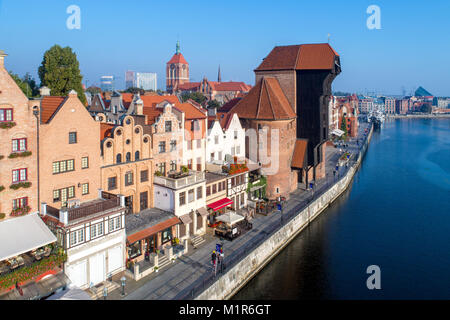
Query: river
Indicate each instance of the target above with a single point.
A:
(395, 215)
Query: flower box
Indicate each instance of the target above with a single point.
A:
(19, 154)
(2, 188)
(7, 125)
(20, 211)
(16, 186)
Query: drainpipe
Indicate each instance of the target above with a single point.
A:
(36, 114)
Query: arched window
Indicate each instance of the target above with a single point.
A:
(119, 158)
(128, 157)
(136, 156)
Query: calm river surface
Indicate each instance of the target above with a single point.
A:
(395, 215)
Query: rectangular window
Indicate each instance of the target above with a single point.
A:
(182, 198)
(63, 166)
(214, 188)
(199, 143)
(162, 167)
(238, 149)
(191, 197)
(199, 164)
(19, 145)
(224, 185)
(208, 190)
(173, 145)
(96, 230)
(84, 162)
(173, 165)
(199, 192)
(235, 134)
(144, 175)
(216, 139)
(85, 188)
(19, 175)
(115, 224)
(219, 186)
(220, 155)
(6, 115)
(168, 126)
(212, 155)
(190, 164)
(72, 137)
(76, 237)
(167, 235)
(112, 183)
(129, 178)
(20, 203)
(189, 144)
(162, 147)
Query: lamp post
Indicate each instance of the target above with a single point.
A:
(105, 292)
(123, 280)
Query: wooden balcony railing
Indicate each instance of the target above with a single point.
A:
(84, 211)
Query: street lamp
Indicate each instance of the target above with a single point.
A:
(105, 292)
(123, 280)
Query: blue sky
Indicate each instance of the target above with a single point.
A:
(410, 49)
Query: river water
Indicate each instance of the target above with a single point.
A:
(395, 215)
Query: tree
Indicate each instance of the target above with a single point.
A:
(24, 86)
(32, 83)
(135, 90)
(196, 96)
(214, 104)
(93, 90)
(60, 71)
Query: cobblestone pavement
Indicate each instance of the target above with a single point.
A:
(178, 280)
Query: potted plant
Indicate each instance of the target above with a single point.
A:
(158, 173)
(156, 268)
(184, 169)
(2, 188)
(2, 215)
(173, 260)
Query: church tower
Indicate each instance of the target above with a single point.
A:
(177, 70)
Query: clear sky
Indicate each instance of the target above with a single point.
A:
(412, 47)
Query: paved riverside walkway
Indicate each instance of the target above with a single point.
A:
(185, 276)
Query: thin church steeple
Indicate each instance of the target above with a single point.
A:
(219, 78)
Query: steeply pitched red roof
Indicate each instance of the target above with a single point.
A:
(230, 86)
(49, 105)
(229, 105)
(265, 101)
(177, 58)
(188, 86)
(316, 56)
(191, 111)
(152, 113)
(150, 101)
(298, 157)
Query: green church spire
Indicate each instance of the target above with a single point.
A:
(178, 47)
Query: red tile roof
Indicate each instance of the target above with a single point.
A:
(230, 86)
(152, 113)
(49, 105)
(300, 57)
(152, 230)
(229, 105)
(105, 130)
(177, 58)
(265, 101)
(298, 157)
(188, 86)
(191, 111)
(150, 101)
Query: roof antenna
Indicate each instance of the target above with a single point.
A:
(329, 38)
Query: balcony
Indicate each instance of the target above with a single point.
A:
(183, 180)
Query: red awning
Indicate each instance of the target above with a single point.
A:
(222, 203)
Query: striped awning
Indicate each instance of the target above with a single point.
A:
(222, 203)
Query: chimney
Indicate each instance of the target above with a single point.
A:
(2, 58)
(63, 216)
(139, 105)
(44, 91)
(43, 209)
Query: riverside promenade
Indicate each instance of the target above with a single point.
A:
(192, 273)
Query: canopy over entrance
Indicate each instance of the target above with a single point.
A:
(337, 132)
(222, 203)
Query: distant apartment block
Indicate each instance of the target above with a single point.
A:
(142, 80)
(107, 83)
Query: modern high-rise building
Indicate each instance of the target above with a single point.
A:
(129, 79)
(107, 83)
(142, 80)
(146, 80)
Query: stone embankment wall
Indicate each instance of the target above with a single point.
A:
(232, 281)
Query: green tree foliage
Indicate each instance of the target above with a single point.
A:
(23, 85)
(135, 90)
(344, 126)
(94, 90)
(196, 96)
(60, 71)
(214, 104)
